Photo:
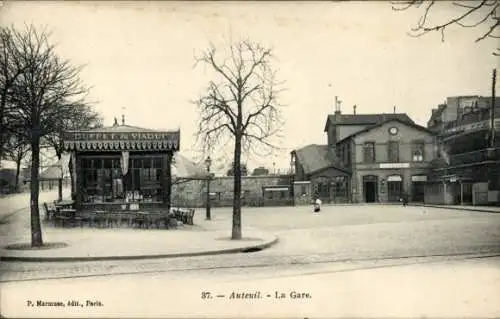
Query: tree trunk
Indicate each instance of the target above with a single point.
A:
(167, 195)
(59, 181)
(36, 229)
(18, 170)
(71, 177)
(236, 230)
(3, 103)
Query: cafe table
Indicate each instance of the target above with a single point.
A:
(64, 204)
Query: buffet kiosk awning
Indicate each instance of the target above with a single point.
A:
(122, 137)
(120, 165)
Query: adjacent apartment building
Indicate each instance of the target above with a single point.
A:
(368, 158)
(467, 169)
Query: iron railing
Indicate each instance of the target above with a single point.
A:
(479, 156)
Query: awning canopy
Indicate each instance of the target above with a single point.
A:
(121, 138)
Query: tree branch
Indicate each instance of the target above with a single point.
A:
(471, 9)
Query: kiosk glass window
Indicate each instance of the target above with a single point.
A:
(103, 180)
(98, 174)
(143, 183)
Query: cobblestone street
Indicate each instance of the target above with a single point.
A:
(338, 234)
(344, 257)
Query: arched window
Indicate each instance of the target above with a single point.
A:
(417, 151)
(418, 156)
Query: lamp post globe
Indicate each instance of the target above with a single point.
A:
(208, 162)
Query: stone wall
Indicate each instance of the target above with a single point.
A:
(193, 193)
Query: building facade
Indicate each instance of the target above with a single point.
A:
(319, 172)
(388, 160)
(368, 158)
(467, 170)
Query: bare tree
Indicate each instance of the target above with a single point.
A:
(46, 92)
(239, 105)
(79, 116)
(472, 15)
(16, 149)
(10, 70)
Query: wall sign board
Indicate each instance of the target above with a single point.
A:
(394, 178)
(394, 165)
(419, 178)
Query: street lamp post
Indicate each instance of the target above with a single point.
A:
(208, 162)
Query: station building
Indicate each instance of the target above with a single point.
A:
(368, 158)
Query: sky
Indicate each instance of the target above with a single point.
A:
(139, 59)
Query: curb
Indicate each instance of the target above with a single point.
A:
(460, 208)
(237, 250)
(9, 215)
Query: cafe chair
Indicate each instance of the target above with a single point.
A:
(127, 218)
(139, 220)
(85, 217)
(98, 218)
(156, 220)
(190, 216)
(49, 212)
(78, 220)
(61, 219)
(116, 219)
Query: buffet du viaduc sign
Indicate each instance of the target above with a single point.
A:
(129, 136)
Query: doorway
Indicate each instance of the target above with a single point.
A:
(394, 188)
(370, 183)
(418, 191)
(466, 193)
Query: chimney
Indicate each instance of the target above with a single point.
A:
(116, 122)
(123, 119)
(394, 111)
(354, 109)
(337, 106)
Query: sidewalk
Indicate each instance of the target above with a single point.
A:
(112, 244)
(85, 244)
(484, 209)
(14, 203)
(205, 238)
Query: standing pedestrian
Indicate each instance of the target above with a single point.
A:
(316, 204)
(404, 199)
